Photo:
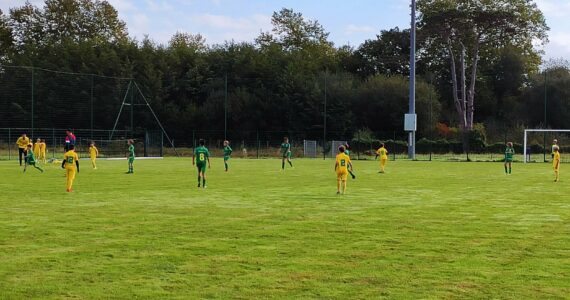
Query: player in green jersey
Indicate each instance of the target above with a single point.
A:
(227, 153)
(31, 159)
(285, 153)
(199, 158)
(509, 153)
(131, 156)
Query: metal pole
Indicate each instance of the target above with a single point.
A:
(394, 145)
(325, 121)
(545, 114)
(53, 141)
(9, 143)
(161, 144)
(32, 137)
(156, 118)
(120, 111)
(226, 107)
(92, 80)
(431, 117)
(524, 147)
(132, 113)
(545, 96)
(412, 100)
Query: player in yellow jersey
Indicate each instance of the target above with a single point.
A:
(22, 142)
(383, 153)
(71, 165)
(37, 151)
(93, 153)
(42, 156)
(342, 166)
(556, 162)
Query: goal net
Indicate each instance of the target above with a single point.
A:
(334, 147)
(537, 145)
(310, 148)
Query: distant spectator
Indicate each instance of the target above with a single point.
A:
(22, 142)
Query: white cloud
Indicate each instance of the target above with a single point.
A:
(159, 6)
(559, 45)
(554, 8)
(123, 6)
(352, 29)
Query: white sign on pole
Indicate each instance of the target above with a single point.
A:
(410, 122)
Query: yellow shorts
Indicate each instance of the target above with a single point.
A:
(342, 175)
(70, 173)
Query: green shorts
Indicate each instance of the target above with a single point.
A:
(287, 155)
(508, 160)
(226, 158)
(131, 159)
(201, 168)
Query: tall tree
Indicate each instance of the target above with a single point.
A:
(58, 21)
(6, 39)
(464, 27)
(293, 31)
(388, 54)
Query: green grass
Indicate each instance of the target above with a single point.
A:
(423, 230)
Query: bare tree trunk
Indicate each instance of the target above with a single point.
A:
(471, 95)
(459, 107)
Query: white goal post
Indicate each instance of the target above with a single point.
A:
(310, 148)
(526, 131)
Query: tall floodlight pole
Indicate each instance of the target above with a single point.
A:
(325, 121)
(226, 107)
(411, 118)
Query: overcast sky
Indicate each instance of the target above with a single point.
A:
(349, 22)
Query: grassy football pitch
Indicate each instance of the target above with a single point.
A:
(422, 230)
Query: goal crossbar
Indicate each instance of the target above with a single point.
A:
(526, 131)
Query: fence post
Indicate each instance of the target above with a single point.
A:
(146, 137)
(359, 145)
(92, 79)
(9, 144)
(257, 144)
(394, 145)
(132, 113)
(53, 141)
(161, 144)
(32, 137)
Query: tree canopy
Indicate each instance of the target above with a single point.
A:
(477, 64)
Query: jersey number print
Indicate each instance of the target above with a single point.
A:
(202, 157)
(342, 162)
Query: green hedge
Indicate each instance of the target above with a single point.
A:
(443, 146)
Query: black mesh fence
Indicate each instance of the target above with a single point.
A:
(110, 144)
(108, 110)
